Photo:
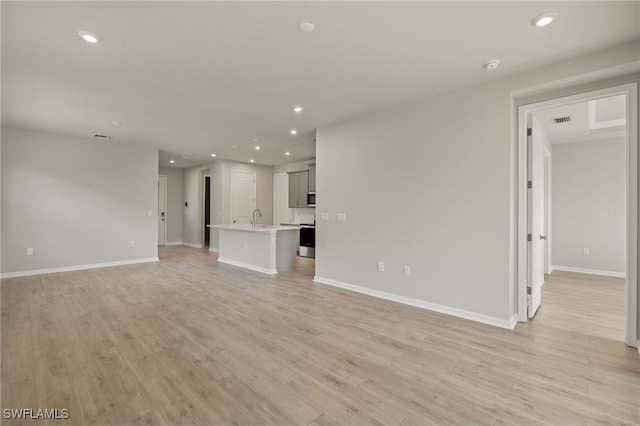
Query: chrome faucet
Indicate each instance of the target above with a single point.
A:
(253, 215)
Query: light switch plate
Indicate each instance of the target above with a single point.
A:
(324, 216)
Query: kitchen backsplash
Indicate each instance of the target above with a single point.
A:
(305, 215)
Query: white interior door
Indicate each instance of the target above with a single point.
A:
(162, 209)
(282, 213)
(243, 196)
(536, 216)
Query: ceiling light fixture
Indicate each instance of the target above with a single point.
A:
(544, 19)
(252, 161)
(287, 153)
(172, 161)
(491, 64)
(307, 27)
(257, 148)
(293, 131)
(116, 123)
(298, 109)
(90, 37)
(213, 155)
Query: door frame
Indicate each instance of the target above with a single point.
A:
(631, 141)
(547, 211)
(164, 223)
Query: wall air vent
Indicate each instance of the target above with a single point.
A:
(561, 119)
(103, 137)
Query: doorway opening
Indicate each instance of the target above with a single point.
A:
(206, 214)
(577, 212)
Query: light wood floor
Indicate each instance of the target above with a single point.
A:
(188, 341)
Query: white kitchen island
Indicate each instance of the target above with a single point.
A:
(263, 248)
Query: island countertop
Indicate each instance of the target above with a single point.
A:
(257, 228)
(264, 248)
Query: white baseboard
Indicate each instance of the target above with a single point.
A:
(192, 245)
(460, 313)
(213, 249)
(77, 267)
(175, 243)
(247, 266)
(589, 271)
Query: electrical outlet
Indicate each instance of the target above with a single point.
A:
(150, 213)
(132, 243)
(380, 266)
(30, 251)
(324, 216)
(586, 251)
(406, 270)
(341, 217)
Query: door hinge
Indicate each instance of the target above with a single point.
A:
(528, 290)
(529, 184)
(529, 132)
(529, 237)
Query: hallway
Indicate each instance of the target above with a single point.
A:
(588, 304)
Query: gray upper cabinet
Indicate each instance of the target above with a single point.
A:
(298, 188)
(312, 178)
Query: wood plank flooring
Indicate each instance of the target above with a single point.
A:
(191, 341)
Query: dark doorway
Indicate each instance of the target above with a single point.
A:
(207, 209)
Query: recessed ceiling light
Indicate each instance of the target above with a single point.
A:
(213, 155)
(172, 161)
(307, 27)
(257, 148)
(255, 139)
(234, 146)
(491, 65)
(544, 19)
(252, 161)
(116, 123)
(90, 37)
(297, 109)
(293, 131)
(287, 153)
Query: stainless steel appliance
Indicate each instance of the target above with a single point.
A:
(311, 199)
(307, 240)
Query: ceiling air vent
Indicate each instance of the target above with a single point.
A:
(561, 119)
(103, 137)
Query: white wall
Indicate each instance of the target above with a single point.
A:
(174, 203)
(431, 184)
(293, 167)
(221, 193)
(589, 205)
(75, 201)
